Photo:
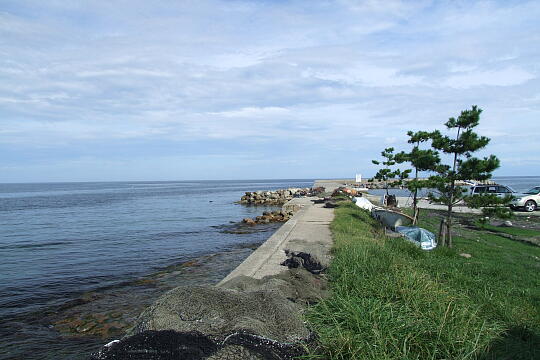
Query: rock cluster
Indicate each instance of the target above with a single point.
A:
(269, 217)
(277, 197)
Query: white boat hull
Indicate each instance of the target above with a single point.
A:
(391, 219)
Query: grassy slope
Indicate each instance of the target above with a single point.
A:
(390, 300)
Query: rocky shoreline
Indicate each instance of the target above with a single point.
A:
(240, 318)
(269, 217)
(277, 197)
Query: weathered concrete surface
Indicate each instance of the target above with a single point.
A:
(307, 231)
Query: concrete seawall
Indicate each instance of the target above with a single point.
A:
(307, 231)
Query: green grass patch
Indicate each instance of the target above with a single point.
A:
(391, 300)
(511, 230)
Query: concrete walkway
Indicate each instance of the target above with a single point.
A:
(307, 231)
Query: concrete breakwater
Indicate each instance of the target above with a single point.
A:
(253, 313)
(277, 197)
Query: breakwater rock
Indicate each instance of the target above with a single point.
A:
(277, 197)
(270, 217)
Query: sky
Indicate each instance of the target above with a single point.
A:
(117, 90)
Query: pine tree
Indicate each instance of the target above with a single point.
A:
(390, 177)
(463, 166)
(420, 160)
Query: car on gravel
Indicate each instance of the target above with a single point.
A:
(499, 190)
(529, 200)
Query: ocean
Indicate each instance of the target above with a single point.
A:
(79, 261)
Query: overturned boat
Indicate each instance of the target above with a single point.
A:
(391, 218)
(363, 203)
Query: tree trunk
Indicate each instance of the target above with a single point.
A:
(449, 220)
(415, 199)
(449, 241)
(442, 232)
(451, 202)
(416, 214)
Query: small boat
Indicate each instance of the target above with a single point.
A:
(391, 218)
(363, 203)
(421, 237)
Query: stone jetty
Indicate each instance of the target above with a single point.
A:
(277, 197)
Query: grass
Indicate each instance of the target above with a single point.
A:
(511, 230)
(391, 300)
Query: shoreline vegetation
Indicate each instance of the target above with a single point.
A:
(391, 300)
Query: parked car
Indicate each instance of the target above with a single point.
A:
(529, 200)
(499, 190)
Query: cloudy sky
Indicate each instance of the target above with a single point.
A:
(238, 89)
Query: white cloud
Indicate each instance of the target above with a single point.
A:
(504, 77)
(460, 68)
(252, 112)
(365, 74)
(123, 72)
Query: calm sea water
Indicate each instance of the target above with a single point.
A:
(59, 240)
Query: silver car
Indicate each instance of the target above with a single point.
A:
(529, 200)
(499, 190)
